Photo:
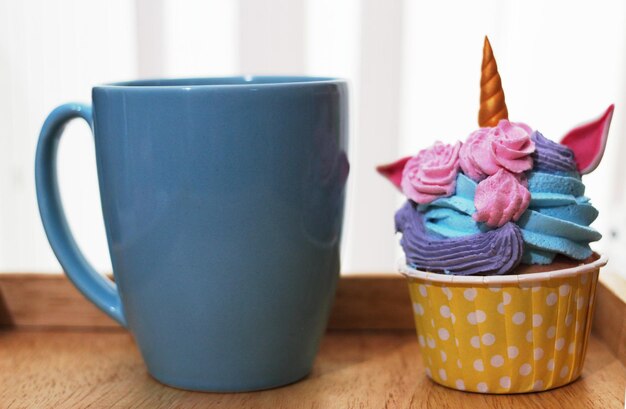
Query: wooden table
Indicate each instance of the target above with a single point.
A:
(58, 351)
(355, 369)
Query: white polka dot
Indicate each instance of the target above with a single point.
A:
(456, 341)
(453, 317)
(429, 373)
(422, 290)
(443, 375)
(560, 343)
(512, 352)
(443, 334)
(475, 341)
(495, 289)
(458, 363)
(470, 294)
(538, 385)
(550, 365)
(529, 336)
(551, 332)
(537, 320)
(584, 278)
(569, 318)
(476, 317)
(505, 382)
(536, 288)
(430, 341)
(500, 308)
(525, 369)
(478, 365)
(471, 318)
(460, 384)
(445, 311)
(564, 371)
(506, 298)
(571, 348)
(444, 357)
(519, 318)
(447, 292)
(482, 387)
(432, 322)
(537, 354)
(488, 339)
(497, 361)
(419, 310)
(420, 339)
(551, 299)
(564, 290)
(580, 303)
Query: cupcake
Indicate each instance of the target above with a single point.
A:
(496, 235)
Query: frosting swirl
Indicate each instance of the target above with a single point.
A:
(500, 198)
(556, 222)
(431, 173)
(517, 197)
(552, 157)
(495, 252)
(558, 219)
(506, 146)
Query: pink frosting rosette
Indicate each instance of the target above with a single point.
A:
(506, 146)
(500, 198)
(431, 173)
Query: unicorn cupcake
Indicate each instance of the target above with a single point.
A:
(496, 234)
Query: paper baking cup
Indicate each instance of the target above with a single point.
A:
(504, 334)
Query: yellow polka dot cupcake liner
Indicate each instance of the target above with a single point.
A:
(504, 334)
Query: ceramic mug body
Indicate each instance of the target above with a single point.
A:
(223, 202)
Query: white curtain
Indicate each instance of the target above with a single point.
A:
(413, 68)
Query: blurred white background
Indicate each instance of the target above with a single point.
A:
(413, 68)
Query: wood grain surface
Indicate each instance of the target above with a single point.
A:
(355, 369)
(50, 300)
(381, 301)
(378, 301)
(609, 322)
(46, 300)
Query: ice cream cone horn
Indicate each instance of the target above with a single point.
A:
(492, 104)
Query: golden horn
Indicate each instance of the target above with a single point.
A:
(492, 104)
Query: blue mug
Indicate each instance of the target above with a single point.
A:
(223, 204)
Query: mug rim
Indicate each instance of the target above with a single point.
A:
(236, 81)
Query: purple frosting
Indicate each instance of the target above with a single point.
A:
(552, 157)
(497, 251)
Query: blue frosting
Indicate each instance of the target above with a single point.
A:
(556, 221)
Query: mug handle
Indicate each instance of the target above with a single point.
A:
(98, 289)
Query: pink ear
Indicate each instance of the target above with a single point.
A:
(588, 141)
(393, 171)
